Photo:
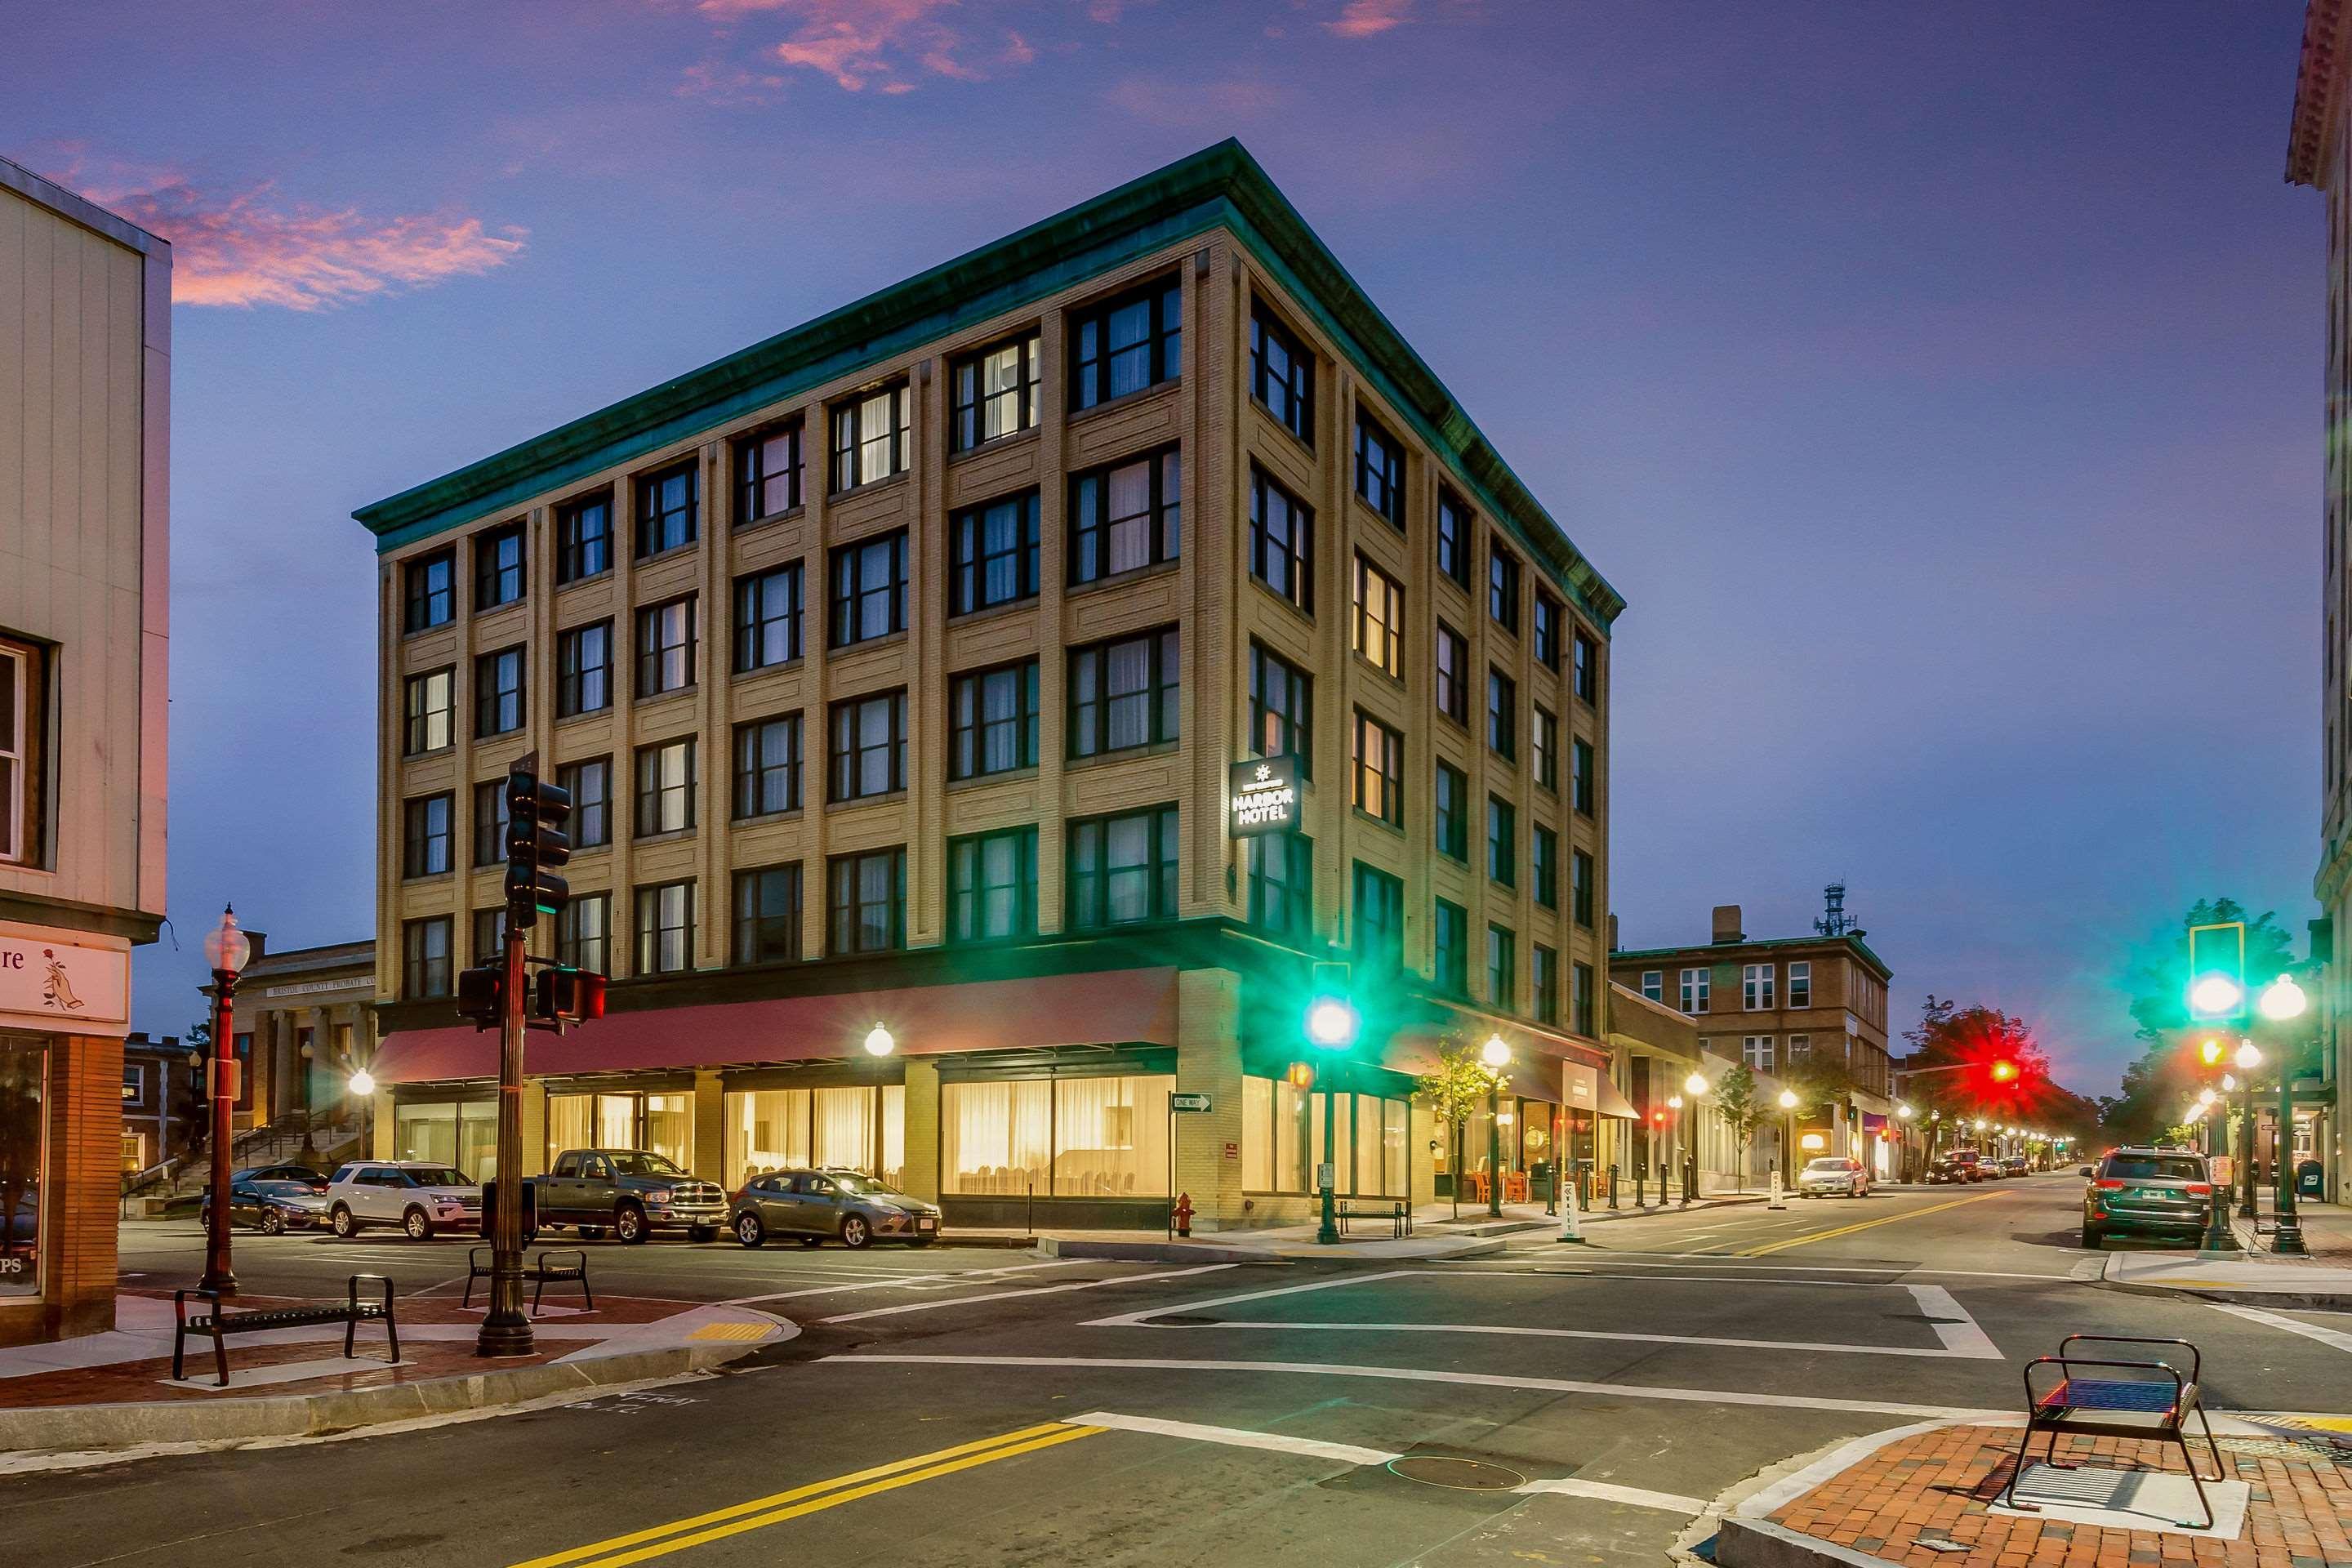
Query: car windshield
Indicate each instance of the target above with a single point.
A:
(435, 1176)
(283, 1188)
(1829, 1163)
(636, 1162)
(2156, 1168)
(861, 1186)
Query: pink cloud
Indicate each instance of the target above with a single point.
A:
(1191, 105)
(716, 81)
(1362, 19)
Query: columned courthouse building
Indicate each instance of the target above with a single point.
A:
(85, 359)
(916, 667)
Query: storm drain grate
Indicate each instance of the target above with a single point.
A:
(1460, 1475)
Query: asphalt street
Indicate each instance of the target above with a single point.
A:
(1552, 1405)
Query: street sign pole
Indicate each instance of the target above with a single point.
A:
(506, 1331)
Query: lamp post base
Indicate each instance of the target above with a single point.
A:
(2218, 1236)
(504, 1336)
(2287, 1237)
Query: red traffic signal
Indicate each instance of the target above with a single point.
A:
(568, 995)
(2004, 1071)
(479, 993)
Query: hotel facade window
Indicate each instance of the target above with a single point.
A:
(665, 929)
(872, 436)
(1379, 470)
(1123, 869)
(1453, 675)
(994, 392)
(1281, 708)
(1502, 969)
(1282, 375)
(869, 589)
(429, 591)
(992, 886)
(424, 836)
(1545, 862)
(584, 933)
(1281, 542)
(993, 720)
(1097, 1137)
(1582, 902)
(869, 746)
(1756, 1050)
(666, 636)
(1543, 746)
(768, 471)
(1125, 694)
(1126, 343)
(1282, 883)
(583, 538)
(768, 766)
(993, 555)
(1502, 842)
(1586, 674)
(429, 704)
(666, 788)
(1454, 537)
(583, 670)
(865, 902)
(499, 692)
(1579, 777)
(1451, 801)
(1695, 983)
(1585, 999)
(489, 935)
(1502, 714)
(1380, 770)
(1378, 914)
(490, 822)
(1450, 949)
(1380, 618)
(590, 783)
(1502, 586)
(1126, 517)
(1801, 984)
(1756, 987)
(768, 914)
(424, 958)
(498, 566)
(669, 508)
(1543, 983)
(769, 618)
(1548, 611)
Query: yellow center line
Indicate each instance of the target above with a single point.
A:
(1866, 1225)
(773, 1510)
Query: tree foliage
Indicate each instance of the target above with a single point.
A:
(2169, 1070)
(1741, 1107)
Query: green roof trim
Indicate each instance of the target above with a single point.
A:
(1220, 186)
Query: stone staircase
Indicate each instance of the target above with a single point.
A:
(157, 1192)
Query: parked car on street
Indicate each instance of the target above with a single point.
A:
(2014, 1165)
(313, 1179)
(2162, 1192)
(632, 1191)
(270, 1206)
(810, 1205)
(1833, 1175)
(418, 1195)
(1956, 1165)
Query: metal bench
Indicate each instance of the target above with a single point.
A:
(1398, 1215)
(2156, 1405)
(543, 1270)
(219, 1323)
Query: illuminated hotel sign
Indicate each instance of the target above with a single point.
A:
(1262, 797)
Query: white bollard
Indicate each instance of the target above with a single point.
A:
(1775, 1201)
(1569, 1229)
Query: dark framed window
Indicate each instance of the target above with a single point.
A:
(1544, 745)
(665, 787)
(1450, 943)
(869, 588)
(865, 902)
(1453, 675)
(489, 935)
(1124, 693)
(1548, 611)
(490, 822)
(1281, 708)
(1544, 856)
(584, 537)
(497, 692)
(870, 745)
(590, 785)
(993, 393)
(1380, 469)
(424, 836)
(1126, 343)
(993, 720)
(429, 591)
(1123, 869)
(1543, 980)
(583, 668)
(1502, 713)
(424, 958)
(1282, 541)
(1380, 770)
(768, 914)
(1282, 375)
(768, 467)
(1579, 777)
(992, 886)
(666, 636)
(1587, 669)
(1451, 800)
(872, 436)
(1586, 1000)
(1282, 883)
(429, 710)
(993, 555)
(1502, 969)
(1379, 905)
(669, 507)
(1126, 517)
(768, 621)
(1380, 618)
(1502, 841)
(1579, 888)
(584, 932)
(768, 766)
(1454, 537)
(1502, 585)
(498, 566)
(665, 929)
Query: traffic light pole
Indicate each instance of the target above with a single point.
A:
(506, 1331)
(1329, 1234)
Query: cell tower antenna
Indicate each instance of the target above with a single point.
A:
(1834, 920)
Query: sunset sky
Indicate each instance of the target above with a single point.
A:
(1940, 383)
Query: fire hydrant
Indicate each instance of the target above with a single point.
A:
(1183, 1213)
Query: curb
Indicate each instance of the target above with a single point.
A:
(1199, 1252)
(2285, 1301)
(83, 1427)
(1760, 1543)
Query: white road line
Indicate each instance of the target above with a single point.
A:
(1007, 1295)
(1567, 1486)
(1961, 1333)
(1946, 1352)
(1137, 1320)
(2336, 1337)
(1619, 1260)
(899, 1280)
(1457, 1379)
(1236, 1438)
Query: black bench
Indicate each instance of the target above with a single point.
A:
(547, 1269)
(220, 1322)
(2156, 1405)
(1398, 1215)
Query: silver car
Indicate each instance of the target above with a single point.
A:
(812, 1204)
(1833, 1175)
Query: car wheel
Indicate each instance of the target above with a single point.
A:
(812, 1241)
(592, 1233)
(418, 1227)
(345, 1224)
(855, 1232)
(749, 1231)
(272, 1223)
(701, 1232)
(629, 1224)
(2092, 1237)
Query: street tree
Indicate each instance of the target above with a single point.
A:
(1454, 1092)
(1742, 1111)
(2169, 1072)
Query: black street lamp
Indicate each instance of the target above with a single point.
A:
(2249, 1058)
(226, 950)
(2282, 1001)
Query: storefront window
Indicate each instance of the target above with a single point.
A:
(1282, 1141)
(767, 1130)
(1110, 1137)
(1257, 1145)
(789, 1129)
(616, 1121)
(844, 1128)
(24, 1068)
(669, 1128)
(448, 1133)
(996, 1138)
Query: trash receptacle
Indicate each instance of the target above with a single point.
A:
(2308, 1179)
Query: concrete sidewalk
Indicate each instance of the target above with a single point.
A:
(2247, 1278)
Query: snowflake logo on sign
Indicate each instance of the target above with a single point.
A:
(1263, 773)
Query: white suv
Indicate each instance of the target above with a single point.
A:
(417, 1195)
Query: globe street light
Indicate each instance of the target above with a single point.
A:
(1496, 1054)
(879, 1041)
(2248, 1056)
(1695, 1085)
(2282, 999)
(226, 950)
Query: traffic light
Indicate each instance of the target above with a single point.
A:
(562, 996)
(479, 993)
(2217, 971)
(2004, 1070)
(536, 844)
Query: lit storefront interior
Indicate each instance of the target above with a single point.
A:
(860, 1127)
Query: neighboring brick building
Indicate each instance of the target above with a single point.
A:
(162, 1097)
(898, 664)
(85, 357)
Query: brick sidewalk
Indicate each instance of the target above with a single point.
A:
(1938, 1484)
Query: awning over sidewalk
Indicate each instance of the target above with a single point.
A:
(1588, 1089)
(1126, 1006)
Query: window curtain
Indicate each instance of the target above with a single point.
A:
(616, 1122)
(894, 1133)
(570, 1120)
(669, 1126)
(844, 1128)
(1290, 1171)
(1111, 1137)
(1395, 1128)
(996, 1138)
(1257, 1134)
(767, 1130)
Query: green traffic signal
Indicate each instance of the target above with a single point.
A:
(1331, 1023)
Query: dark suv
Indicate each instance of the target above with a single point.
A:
(2146, 1192)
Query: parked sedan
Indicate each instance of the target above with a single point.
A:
(271, 1207)
(814, 1204)
(314, 1180)
(1832, 1176)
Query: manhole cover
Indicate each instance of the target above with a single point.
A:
(1461, 1475)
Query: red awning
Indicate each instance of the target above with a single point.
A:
(1127, 1006)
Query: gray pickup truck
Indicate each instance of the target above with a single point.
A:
(633, 1192)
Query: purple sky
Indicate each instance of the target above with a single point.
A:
(1940, 384)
